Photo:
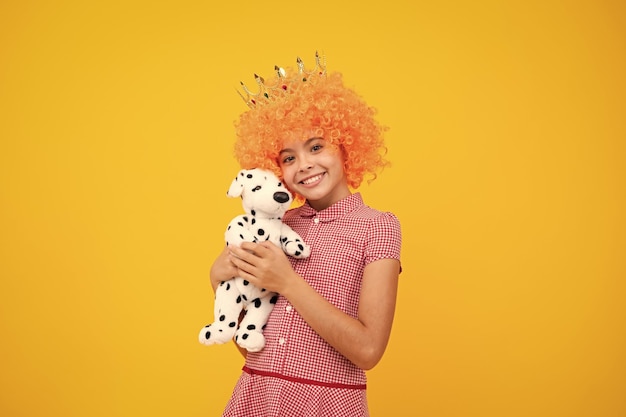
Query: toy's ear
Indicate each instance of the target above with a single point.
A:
(236, 187)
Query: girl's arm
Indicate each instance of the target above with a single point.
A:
(222, 269)
(363, 339)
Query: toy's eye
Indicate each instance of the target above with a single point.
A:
(257, 188)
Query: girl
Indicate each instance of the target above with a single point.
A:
(333, 318)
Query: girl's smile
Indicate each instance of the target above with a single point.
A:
(314, 180)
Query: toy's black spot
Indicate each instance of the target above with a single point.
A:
(222, 282)
(245, 282)
(222, 317)
(300, 246)
(284, 239)
(238, 299)
(207, 335)
(245, 218)
(251, 327)
(239, 224)
(253, 212)
(249, 176)
(274, 299)
(244, 297)
(232, 324)
(228, 228)
(260, 232)
(244, 336)
(264, 326)
(257, 303)
(241, 236)
(253, 221)
(228, 287)
(297, 253)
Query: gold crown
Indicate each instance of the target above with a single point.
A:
(271, 92)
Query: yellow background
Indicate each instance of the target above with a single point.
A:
(508, 148)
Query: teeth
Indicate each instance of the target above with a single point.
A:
(312, 179)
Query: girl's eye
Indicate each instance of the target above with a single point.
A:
(316, 148)
(287, 159)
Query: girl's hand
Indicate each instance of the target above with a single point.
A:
(222, 269)
(264, 264)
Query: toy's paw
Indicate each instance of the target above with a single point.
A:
(253, 341)
(297, 249)
(216, 333)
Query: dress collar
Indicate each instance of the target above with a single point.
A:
(341, 207)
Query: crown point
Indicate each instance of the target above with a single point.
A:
(280, 71)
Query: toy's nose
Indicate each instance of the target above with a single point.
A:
(281, 196)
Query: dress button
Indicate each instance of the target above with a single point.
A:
(281, 340)
(316, 220)
(289, 308)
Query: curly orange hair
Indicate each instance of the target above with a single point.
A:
(321, 104)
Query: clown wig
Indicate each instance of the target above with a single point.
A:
(321, 105)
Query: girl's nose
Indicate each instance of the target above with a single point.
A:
(305, 164)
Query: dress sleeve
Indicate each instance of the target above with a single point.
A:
(384, 238)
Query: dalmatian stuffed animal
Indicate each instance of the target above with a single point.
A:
(265, 200)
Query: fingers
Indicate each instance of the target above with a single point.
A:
(250, 246)
(269, 245)
(237, 252)
(243, 258)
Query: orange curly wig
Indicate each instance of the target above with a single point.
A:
(321, 104)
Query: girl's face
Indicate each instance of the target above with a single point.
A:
(314, 169)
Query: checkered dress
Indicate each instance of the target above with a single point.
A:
(298, 374)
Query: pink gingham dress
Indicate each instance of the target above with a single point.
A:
(298, 374)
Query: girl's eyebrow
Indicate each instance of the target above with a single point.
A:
(305, 143)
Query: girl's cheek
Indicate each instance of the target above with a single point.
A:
(285, 174)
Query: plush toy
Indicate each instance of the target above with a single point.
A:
(265, 200)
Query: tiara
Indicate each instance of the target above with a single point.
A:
(271, 91)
